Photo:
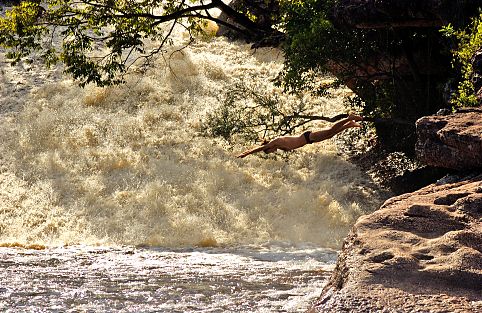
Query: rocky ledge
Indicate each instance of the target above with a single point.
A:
(420, 252)
(452, 141)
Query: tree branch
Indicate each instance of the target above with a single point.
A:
(338, 117)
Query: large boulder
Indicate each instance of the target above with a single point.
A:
(452, 141)
(420, 252)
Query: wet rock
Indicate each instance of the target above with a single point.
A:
(452, 141)
(420, 252)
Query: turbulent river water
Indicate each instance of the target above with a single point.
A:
(112, 200)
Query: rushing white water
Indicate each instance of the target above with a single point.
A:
(99, 279)
(126, 166)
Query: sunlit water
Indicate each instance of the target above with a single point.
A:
(87, 175)
(92, 279)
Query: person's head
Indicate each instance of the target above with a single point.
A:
(266, 149)
(270, 150)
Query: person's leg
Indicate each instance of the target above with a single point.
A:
(333, 130)
(355, 117)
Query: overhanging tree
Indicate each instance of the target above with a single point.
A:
(392, 56)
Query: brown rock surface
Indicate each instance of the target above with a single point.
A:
(453, 141)
(420, 252)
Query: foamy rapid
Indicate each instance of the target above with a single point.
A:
(127, 165)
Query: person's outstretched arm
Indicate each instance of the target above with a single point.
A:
(251, 151)
(269, 147)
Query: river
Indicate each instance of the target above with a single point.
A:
(112, 200)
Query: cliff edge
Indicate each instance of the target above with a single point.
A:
(452, 141)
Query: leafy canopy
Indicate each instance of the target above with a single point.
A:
(469, 43)
(100, 39)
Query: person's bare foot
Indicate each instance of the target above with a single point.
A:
(352, 123)
(355, 117)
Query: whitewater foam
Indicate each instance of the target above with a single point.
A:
(127, 165)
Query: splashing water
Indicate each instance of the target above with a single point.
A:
(123, 279)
